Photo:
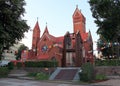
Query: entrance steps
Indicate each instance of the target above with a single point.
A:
(17, 73)
(66, 73)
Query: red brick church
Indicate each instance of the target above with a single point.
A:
(72, 49)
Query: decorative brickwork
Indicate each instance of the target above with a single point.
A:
(72, 49)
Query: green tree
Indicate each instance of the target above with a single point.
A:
(21, 48)
(107, 18)
(12, 26)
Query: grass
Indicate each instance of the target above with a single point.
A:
(39, 76)
(100, 77)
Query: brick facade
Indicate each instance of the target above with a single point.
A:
(68, 51)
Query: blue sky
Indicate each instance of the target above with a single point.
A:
(58, 16)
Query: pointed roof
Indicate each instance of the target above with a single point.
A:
(37, 27)
(46, 30)
(77, 12)
(89, 36)
(46, 34)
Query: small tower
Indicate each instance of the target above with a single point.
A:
(46, 30)
(36, 36)
(78, 21)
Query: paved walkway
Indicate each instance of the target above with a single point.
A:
(111, 82)
(18, 78)
(21, 82)
(18, 82)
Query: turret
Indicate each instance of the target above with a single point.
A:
(78, 21)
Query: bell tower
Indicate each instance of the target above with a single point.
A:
(78, 21)
(36, 36)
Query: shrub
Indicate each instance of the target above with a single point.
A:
(87, 73)
(42, 76)
(109, 62)
(10, 65)
(39, 76)
(4, 72)
(19, 65)
(41, 64)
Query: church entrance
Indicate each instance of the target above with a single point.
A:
(70, 59)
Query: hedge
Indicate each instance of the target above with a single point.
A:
(41, 64)
(113, 62)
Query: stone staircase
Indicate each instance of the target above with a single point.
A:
(60, 74)
(18, 73)
(68, 73)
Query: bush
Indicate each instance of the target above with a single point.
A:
(39, 76)
(3, 72)
(19, 65)
(41, 64)
(83, 77)
(10, 65)
(42, 76)
(109, 62)
(87, 73)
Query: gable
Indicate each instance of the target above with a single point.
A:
(44, 37)
(78, 16)
(76, 12)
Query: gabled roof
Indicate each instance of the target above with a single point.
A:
(46, 34)
(50, 37)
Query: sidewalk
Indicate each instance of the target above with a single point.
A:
(21, 75)
(111, 82)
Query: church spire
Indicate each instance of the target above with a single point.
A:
(46, 29)
(37, 18)
(36, 35)
(78, 21)
(76, 6)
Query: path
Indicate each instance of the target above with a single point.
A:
(19, 82)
